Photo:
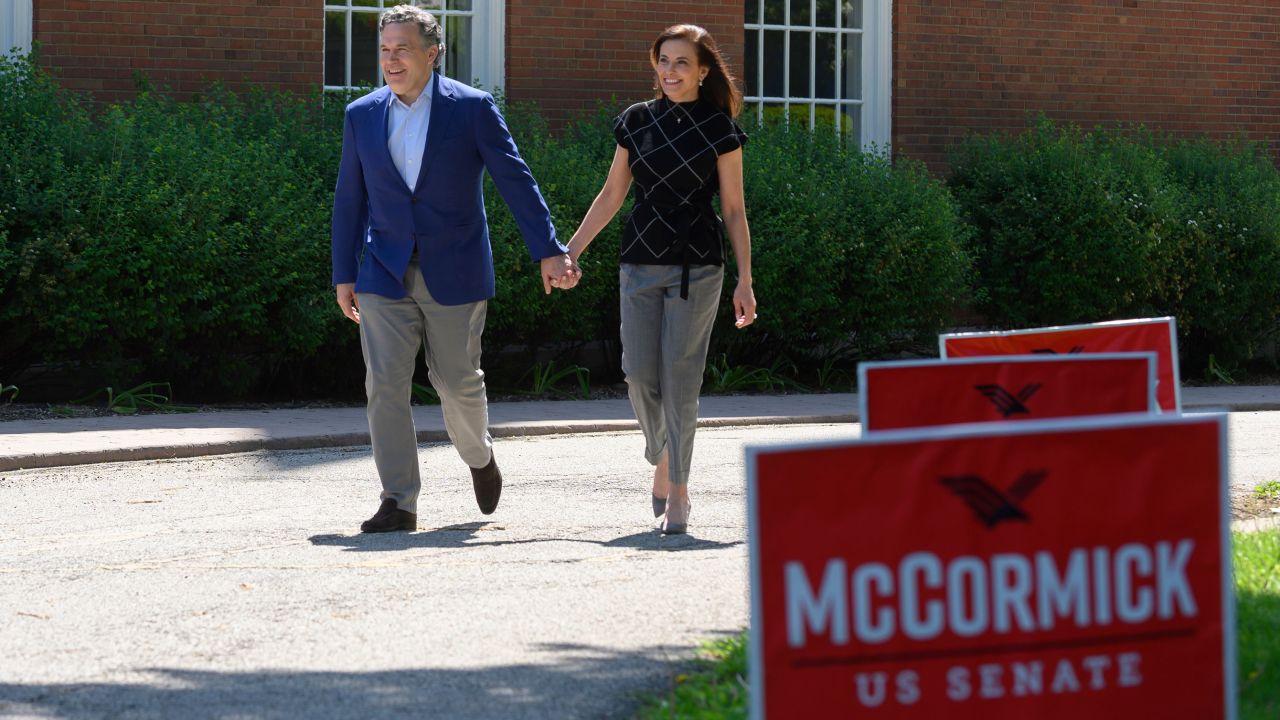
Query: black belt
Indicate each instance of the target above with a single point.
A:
(684, 216)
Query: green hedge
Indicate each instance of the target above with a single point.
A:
(1080, 226)
(184, 240)
(853, 256)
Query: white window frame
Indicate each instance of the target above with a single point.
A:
(875, 105)
(15, 26)
(488, 38)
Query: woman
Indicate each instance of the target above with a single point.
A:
(680, 148)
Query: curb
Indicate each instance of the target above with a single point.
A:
(308, 442)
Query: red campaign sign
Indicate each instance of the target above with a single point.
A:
(1158, 335)
(1055, 570)
(919, 393)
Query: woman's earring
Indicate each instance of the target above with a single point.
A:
(699, 83)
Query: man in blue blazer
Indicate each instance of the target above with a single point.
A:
(412, 263)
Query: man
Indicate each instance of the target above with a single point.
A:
(411, 255)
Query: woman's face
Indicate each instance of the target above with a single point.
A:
(678, 70)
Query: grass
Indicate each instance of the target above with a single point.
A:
(721, 377)
(1269, 490)
(717, 687)
(547, 377)
(1257, 562)
(147, 396)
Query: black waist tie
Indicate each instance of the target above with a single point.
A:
(682, 218)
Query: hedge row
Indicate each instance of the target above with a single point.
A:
(188, 242)
(1076, 226)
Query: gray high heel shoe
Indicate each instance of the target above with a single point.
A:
(674, 528)
(659, 506)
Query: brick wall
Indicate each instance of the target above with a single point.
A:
(568, 54)
(1186, 66)
(96, 46)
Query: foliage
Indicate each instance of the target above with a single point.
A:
(1216, 373)
(570, 167)
(722, 377)
(1069, 224)
(716, 689)
(1269, 490)
(8, 393)
(1223, 277)
(177, 238)
(1082, 226)
(547, 377)
(190, 240)
(852, 255)
(1257, 573)
(147, 396)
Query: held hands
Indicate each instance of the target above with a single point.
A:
(744, 305)
(347, 301)
(559, 271)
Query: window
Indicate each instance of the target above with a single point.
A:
(473, 35)
(15, 26)
(825, 63)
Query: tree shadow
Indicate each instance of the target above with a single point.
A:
(591, 682)
(464, 535)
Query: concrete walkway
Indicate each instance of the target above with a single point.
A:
(53, 443)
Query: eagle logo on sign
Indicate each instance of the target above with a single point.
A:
(1050, 351)
(1006, 402)
(991, 505)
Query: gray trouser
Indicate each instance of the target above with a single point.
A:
(391, 331)
(664, 354)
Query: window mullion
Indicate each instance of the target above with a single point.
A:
(759, 67)
(346, 51)
(786, 63)
(813, 63)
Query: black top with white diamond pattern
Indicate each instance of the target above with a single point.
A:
(673, 148)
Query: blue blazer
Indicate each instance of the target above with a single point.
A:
(378, 219)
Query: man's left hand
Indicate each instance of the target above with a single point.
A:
(559, 271)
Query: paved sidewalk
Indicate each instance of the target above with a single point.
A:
(52, 443)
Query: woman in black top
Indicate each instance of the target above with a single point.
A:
(680, 148)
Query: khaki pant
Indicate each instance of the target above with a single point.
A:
(391, 331)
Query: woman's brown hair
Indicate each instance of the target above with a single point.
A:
(719, 86)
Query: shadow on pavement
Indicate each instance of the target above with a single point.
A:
(592, 682)
(472, 535)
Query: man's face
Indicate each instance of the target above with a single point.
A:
(406, 63)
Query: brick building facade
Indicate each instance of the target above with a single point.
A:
(1189, 67)
(567, 55)
(98, 45)
(1185, 66)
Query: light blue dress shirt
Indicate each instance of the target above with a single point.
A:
(407, 132)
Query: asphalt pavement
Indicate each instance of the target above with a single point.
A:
(209, 566)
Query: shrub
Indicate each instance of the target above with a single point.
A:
(570, 168)
(1223, 281)
(1069, 225)
(1073, 226)
(163, 240)
(183, 239)
(853, 256)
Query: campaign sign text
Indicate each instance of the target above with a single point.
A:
(922, 393)
(1057, 570)
(1156, 335)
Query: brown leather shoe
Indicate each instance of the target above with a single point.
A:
(390, 518)
(487, 482)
